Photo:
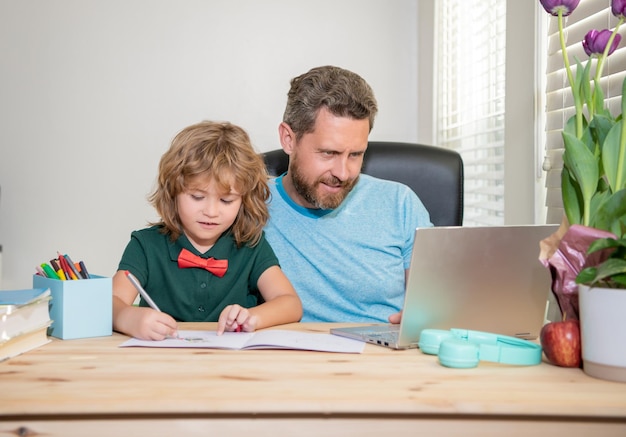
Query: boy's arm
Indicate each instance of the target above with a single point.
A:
(139, 322)
(282, 303)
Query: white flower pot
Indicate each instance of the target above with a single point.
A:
(602, 314)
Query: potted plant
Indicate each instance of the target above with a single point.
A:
(589, 259)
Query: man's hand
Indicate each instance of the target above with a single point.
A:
(395, 318)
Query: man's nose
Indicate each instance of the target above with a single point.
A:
(342, 168)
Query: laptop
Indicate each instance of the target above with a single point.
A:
(479, 278)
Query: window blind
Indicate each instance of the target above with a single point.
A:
(590, 14)
(471, 49)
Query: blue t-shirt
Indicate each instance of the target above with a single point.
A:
(348, 264)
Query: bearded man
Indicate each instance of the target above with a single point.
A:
(343, 238)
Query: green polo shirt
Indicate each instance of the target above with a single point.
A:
(195, 294)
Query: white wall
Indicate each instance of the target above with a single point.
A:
(92, 92)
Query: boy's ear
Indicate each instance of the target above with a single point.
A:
(287, 137)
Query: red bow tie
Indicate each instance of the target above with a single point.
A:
(216, 266)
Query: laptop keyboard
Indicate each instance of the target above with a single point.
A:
(385, 338)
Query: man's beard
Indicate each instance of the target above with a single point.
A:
(309, 191)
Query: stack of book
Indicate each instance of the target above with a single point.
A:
(24, 320)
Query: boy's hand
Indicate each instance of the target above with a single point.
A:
(148, 324)
(236, 318)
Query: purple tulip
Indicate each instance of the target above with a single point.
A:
(618, 7)
(565, 6)
(595, 42)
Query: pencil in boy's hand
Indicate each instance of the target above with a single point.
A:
(141, 291)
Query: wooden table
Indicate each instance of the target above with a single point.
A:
(91, 387)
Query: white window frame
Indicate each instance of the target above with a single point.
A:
(524, 194)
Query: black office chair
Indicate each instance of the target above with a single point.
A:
(434, 173)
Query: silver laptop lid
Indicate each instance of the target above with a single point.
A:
(480, 278)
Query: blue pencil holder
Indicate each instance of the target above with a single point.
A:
(80, 308)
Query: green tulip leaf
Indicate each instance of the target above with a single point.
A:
(611, 159)
(583, 168)
(572, 198)
(570, 126)
(598, 199)
(581, 163)
(588, 139)
(611, 212)
(598, 100)
(600, 126)
(581, 83)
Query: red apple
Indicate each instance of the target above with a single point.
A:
(561, 343)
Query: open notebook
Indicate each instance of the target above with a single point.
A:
(480, 278)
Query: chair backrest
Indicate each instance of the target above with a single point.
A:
(434, 173)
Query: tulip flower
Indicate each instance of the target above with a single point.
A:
(596, 41)
(553, 7)
(593, 177)
(618, 8)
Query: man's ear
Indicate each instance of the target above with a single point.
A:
(287, 137)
